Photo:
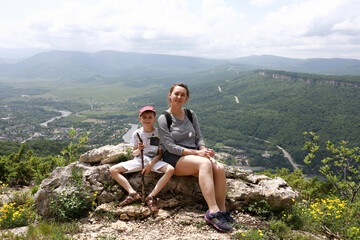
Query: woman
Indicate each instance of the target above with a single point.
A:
(185, 150)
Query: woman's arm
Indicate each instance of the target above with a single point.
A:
(173, 148)
(166, 138)
(198, 136)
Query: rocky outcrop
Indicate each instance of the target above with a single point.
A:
(105, 154)
(309, 80)
(244, 187)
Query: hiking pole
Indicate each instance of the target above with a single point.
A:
(142, 175)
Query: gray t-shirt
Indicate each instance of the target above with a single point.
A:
(182, 134)
(149, 150)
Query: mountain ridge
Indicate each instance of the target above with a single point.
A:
(75, 64)
(71, 64)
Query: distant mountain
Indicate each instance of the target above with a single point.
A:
(69, 64)
(66, 64)
(333, 66)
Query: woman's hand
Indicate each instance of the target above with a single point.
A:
(206, 152)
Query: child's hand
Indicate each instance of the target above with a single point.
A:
(147, 168)
(141, 146)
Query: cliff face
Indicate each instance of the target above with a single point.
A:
(309, 80)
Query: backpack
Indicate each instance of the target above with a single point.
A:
(169, 120)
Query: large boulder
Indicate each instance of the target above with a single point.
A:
(244, 187)
(105, 154)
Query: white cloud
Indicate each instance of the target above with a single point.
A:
(262, 3)
(306, 29)
(219, 29)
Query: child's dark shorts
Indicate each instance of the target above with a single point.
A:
(170, 158)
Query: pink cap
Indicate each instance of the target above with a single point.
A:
(147, 108)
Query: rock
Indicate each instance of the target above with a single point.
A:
(244, 187)
(256, 178)
(119, 226)
(105, 154)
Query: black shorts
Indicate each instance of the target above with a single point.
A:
(170, 158)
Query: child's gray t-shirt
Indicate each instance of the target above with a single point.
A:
(149, 150)
(182, 134)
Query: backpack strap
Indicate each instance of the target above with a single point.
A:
(169, 120)
(188, 114)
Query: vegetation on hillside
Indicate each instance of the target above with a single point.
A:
(245, 109)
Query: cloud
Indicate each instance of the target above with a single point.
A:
(261, 3)
(216, 29)
(308, 28)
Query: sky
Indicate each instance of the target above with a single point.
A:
(217, 29)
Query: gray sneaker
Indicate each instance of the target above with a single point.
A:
(228, 217)
(218, 220)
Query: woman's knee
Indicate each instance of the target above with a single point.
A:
(206, 165)
(218, 168)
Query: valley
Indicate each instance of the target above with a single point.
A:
(237, 105)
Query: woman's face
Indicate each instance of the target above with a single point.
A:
(178, 95)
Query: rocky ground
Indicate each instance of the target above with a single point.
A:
(179, 223)
(184, 224)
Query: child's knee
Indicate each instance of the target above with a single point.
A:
(171, 169)
(116, 169)
(112, 170)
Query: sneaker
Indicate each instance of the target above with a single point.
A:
(228, 217)
(218, 221)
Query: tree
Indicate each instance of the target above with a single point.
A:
(340, 164)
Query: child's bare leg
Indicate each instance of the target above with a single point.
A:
(168, 172)
(116, 171)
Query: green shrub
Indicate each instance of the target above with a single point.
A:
(330, 216)
(341, 165)
(280, 229)
(75, 202)
(261, 208)
(17, 214)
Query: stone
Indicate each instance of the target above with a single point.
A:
(105, 154)
(243, 188)
(119, 226)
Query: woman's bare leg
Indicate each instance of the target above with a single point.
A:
(116, 171)
(202, 168)
(220, 184)
(168, 172)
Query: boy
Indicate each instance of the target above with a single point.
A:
(152, 154)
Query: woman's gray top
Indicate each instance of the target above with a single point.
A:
(182, 134)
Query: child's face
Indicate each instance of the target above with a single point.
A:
(147, 118)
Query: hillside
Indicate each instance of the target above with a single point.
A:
(332, 66)
(253, 106)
